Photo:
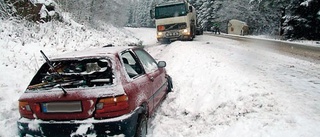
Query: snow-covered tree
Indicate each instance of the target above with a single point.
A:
(205, 12)
(303, 20)
(94, 12)
(221, 11)
(290, 18)
(270, 14)
(140, 13)
(5, 9)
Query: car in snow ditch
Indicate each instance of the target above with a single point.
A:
(105, 91)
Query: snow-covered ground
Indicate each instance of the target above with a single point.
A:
(312, 43)
(222, 88)
(225, 88)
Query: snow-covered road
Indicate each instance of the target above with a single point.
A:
(226, 88)
(222, 87)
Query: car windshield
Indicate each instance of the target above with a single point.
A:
(73, 74)
(170, 11)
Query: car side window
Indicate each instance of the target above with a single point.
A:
(147, 61)
(132, 67)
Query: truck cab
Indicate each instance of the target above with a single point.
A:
(175, 21)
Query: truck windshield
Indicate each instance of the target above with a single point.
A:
(170, 11)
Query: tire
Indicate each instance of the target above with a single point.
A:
(192, 34)
(142, 126)
(190, 38)
(170, 85)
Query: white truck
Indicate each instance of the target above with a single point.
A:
(175, 21)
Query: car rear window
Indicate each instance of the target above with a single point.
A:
(73, 74)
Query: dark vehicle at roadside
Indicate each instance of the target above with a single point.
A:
(199, 30)
(103, 92)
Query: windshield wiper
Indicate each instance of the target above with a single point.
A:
(52, 68)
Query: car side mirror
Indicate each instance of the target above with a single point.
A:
(190, 8)
(151, 14)
(162, 64)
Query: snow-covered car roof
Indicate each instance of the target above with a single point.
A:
(92, 53)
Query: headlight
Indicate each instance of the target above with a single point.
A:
(159, 35)
(185, 32)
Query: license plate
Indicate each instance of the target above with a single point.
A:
(61, 107)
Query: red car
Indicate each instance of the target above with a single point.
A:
(105, 91)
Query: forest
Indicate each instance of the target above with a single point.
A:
(284, 19)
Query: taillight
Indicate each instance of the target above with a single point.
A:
(112, 104)
(161, 28)
(24, 108)
(27, 110)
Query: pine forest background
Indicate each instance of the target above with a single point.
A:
(290, 19)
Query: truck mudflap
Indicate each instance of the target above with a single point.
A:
(122, 125)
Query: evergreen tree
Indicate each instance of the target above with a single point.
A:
(140, 13)
(303, 21)
(5, 10)
(230, 9)
(293, 19)
(271, 15)
(94, 12)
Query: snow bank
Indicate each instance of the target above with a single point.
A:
(225, 88)
(210, 91)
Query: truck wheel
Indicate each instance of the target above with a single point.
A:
(142, 126)
(191, 38)
(193, 32)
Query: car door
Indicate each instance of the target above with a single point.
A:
(156, 76)
(137, 81)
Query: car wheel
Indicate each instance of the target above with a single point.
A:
(142, 126)
(170, 85)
